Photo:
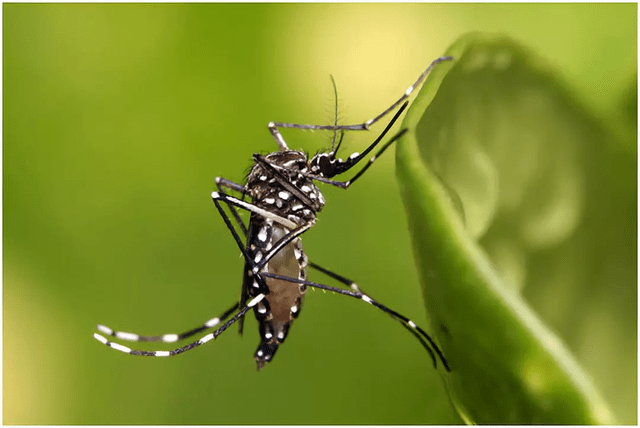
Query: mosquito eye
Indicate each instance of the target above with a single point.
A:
(324, 165)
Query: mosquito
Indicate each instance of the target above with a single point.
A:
(284, 202)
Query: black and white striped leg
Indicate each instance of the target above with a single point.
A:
(273, 126)
(185, 348)
(216, 196)
(356, 288)
(359, 295)
(337, 277)
(171, 337)
(223, 182)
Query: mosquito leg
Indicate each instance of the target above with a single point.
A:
(168, 338)
(373, 159)
(337, 277)
(223, 182)
(359, 295)
(185, 348)
(357, 289)
(254, 209)
(344, 166)
(273, 126)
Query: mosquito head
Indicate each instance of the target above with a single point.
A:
(326, 165)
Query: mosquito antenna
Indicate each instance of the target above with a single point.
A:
(335, 121)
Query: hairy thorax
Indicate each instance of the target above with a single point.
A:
(285, 188)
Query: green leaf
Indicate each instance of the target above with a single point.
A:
(490, 173)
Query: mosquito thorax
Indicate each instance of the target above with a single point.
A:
(285, 188)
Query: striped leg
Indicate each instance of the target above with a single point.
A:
(411, 326)
(168, 338)
(273, 126)
(185, 348)
(357, 289)
(223, 182)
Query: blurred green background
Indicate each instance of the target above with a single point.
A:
(117, 119)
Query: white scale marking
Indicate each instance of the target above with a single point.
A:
(257, 257)
(105, 329)
(255, 300)
(205, 339)
(262, 309)
(127, 336)
(263, 234)
(268, 336)
(255, 284)
(294, 309)
(100, 338)
(354, 155)
(281, 335)
(162, 353)
(263, 178)
(366, 298)
(305, 189)
(120, 347)
(269, 200)
(252, 208)
(260, 353)
(212, 322)
(409, 90)
(284, 195)
(412, 324)
(279, 203)
(169, 338)
(297, 207)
